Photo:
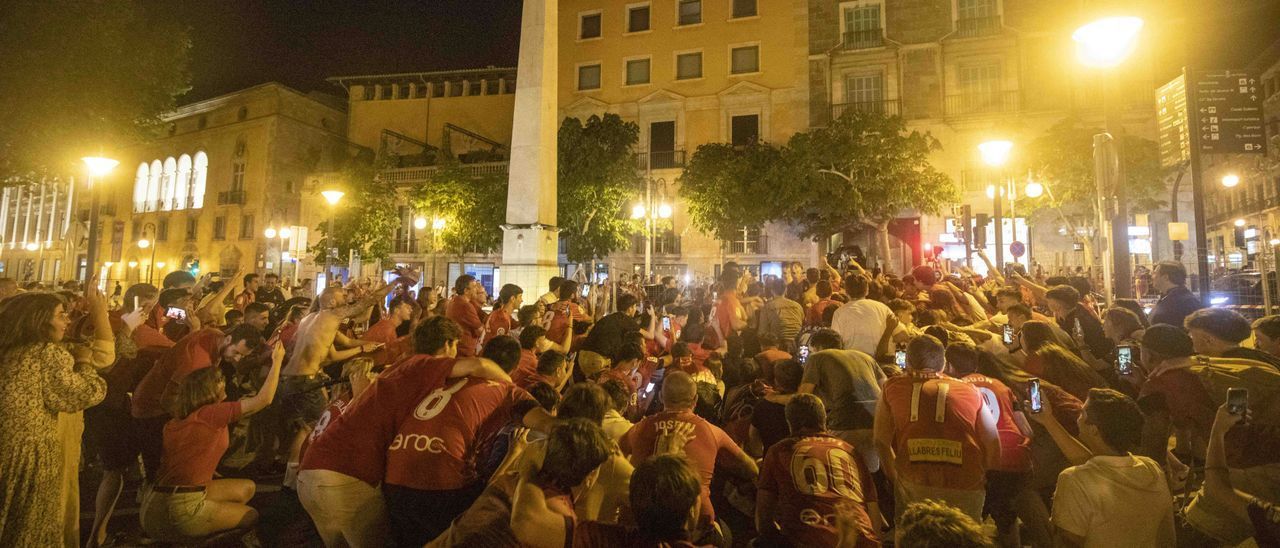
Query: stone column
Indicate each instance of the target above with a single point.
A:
(529, 242)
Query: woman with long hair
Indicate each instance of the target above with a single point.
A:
(185, 502)
(1033, 336)
(1065, 369)
(40, 379)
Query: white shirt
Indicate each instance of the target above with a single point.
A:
(861, 324)
(1115, 501)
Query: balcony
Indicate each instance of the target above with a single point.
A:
(663, 244)
(758, 246)
(406, 245)
(974, 27)
(885, 107)
(413, 175)
(982, 102)
(863, 39)
(231, 197)
(662, 159)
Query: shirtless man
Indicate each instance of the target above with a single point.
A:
(318, 342)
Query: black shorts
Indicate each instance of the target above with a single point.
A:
(1002, 492)
(112, 434)
(302, 400)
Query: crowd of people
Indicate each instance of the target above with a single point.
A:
(823, 407)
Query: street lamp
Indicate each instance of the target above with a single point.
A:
(1105, 44)
(1034, 190)
(145, 243)
(420, 223)
(332, 195)
(98, 168)
(651, 210)
(995, 154)
(1230, 180)
(33, 246)
(1239, 223)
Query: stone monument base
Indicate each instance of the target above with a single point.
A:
(530, 257)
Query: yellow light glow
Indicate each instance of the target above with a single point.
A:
(333, 196)
(160, 264)
(438, 223)
(1034, 190)
(144, 243)
(664, 211)
(286, 233)
(108, 264)
(1107, 42)
(420, 223)
(637, 211)
(270, 232)
(1230, 180)
(1239, 222)
(995, 153)
(99, 166)
(33, 246)
(991, 191)
(133, 264)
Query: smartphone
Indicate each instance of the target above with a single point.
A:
(135, 303)
(804, 353)
(649, 388)
(1124, 359)
(586, 290)
(1237, 400)
(666, 323)
(1034, 395)
(176, 313)
(1008, 334)
(900, 359)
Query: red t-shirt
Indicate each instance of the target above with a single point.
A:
(146, 336)
(435, 446)
(194, 445)
(195, 351)
(528, 366)
(818, 310)
(1015, 447)
(331, 413)
(463, 311)
(709, 443)
(936, 446)
(811, 475)
(1191, 410)
(393, 348)
(560, 313)
(765, 361)
(528, 381)
(498, 324)
(727, 308)
(356, 442)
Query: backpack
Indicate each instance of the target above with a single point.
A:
(1262, 381)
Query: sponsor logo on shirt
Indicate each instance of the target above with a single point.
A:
(434, 403)
(418, 442)
(935, 450)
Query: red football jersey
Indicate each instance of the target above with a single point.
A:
(1015, 447)
(935, 439)
(708, 444)
(810, 476)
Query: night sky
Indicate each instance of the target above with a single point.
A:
(241, 43)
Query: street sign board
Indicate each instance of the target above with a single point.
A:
(1017, 249)
(1228, 112)
(1171, 120)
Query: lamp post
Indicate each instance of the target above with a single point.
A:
(145, 243)
(651, 213)
(98, 168)
(333, 196)
(996, 154)
(283, 234)
(1105, 44)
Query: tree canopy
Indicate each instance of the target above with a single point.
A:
(473, 208)
(365, 217)
(82, 77)
(597, 180)
(728, 187)
(1063, 159)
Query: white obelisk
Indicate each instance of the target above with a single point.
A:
(529, 242)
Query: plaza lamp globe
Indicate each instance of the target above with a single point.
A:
(270, 232)
(1230, 180)
(1034, 190)
(33, 246)
(333, 196)
(995, 153)
(144, 243)
(1239, 222)
(420, 223)
(99, 166)
(664, 211)
(1107, 42)
(637, 211)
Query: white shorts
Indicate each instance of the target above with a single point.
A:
(346, 511)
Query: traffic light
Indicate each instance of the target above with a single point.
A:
(980, 229)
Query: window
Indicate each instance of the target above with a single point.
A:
(162, 230)
(246, 227)
(490, 87)
(637, 72)
(745, 60)
(219, 228)
(508, 86)
(384, 92)
(198, 179)
(689, 66)
(237, 176)
(193, 225)
(474, 88)
(977, 18)
(455, 89)
(744, 8)
(975, 9)
(588, 77)
(419, 92)
(437, 89)
(981, 78)
(589, 26)
(864, 88)
(745, 129)
(402, 91)
(862, 26)
(689, 12)
(638, 18)
(368, 93)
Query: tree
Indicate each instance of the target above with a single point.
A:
(1062, 158)
(366, 215)
(728, 187)
(473, 206)
(597, 179)
(862, 171)
(82, 77)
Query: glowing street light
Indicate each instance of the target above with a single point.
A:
(33, 246)
(333, 196)
(420, 223)
(1239, 222)
(637, 211)
(144, 243)
(286, 233)
(991, 191)
(270, 232)
(98, 167)
(1230, 180)
(1034, 190)
(1107, 42)
(133, 264)
(664, 211)
(995, 153)
(160, 264)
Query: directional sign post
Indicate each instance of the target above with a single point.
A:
(1227, 114)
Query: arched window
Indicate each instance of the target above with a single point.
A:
(140, 188)
(166, 183)
(182, 186)
(153, 185)
(199, 174)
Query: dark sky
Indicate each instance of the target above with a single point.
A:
(241, 43)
